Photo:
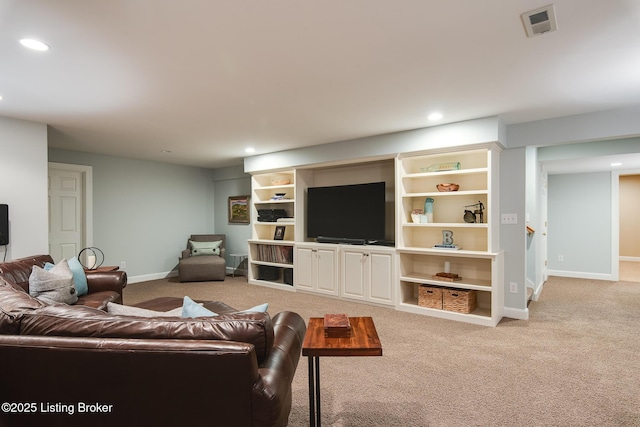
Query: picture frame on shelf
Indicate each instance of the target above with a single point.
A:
(239, 212)
(279, 233)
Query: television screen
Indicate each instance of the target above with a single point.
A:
(347, 211)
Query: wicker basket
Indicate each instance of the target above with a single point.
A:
(459, 300)
(430, 296)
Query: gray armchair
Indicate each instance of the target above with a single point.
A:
(201, 261)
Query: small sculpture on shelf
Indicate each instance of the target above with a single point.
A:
(447, 241)
(477, 216)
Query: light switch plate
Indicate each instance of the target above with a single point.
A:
(509, 218)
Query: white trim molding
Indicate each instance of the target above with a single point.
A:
(516, 313)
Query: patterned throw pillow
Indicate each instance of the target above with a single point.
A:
(79, 277)
(53, 286)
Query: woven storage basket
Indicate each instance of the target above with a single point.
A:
(430, 296)
(459, 300)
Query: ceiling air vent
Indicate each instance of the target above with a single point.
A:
(540, 21)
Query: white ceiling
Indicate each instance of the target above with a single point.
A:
(204, 79)
(629, 163)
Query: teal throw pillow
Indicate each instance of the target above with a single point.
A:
(79, 277)
(190, 308)
(205, 248)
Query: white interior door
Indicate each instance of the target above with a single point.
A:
(66, 206)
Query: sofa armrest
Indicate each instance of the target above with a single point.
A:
(100, 281)
(277, 371)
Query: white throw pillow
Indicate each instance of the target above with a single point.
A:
(127, 310)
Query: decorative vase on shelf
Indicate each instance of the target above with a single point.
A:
(428, 209)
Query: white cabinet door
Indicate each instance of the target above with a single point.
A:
(367, 275)
(354, 266)
(381, 277)
(316, 269)
(326, 272)
(304, 269)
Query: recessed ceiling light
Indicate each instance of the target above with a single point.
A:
(616, 164)
(249, 150)
(435, 116)
(34, 44)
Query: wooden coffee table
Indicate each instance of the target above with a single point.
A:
(363, 341)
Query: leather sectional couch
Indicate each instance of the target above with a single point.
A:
(79, 365)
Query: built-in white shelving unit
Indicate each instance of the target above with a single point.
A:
(270, 259)
(477, 261)
(390, 276)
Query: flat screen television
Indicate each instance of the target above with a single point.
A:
(354, 211)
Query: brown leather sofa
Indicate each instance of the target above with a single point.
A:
(78, 365)
(104, 286)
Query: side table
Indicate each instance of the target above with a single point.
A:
(363, 341)
(103, 268)
(236, 262)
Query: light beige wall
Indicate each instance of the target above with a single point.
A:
(630, 216)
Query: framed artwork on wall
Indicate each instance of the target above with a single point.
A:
(239, 210)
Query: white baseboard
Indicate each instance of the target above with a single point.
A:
(630, 258)
(537, 291)
(155, 276)
(516, 313)
(581, 275)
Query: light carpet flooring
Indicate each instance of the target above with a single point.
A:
(575, 362)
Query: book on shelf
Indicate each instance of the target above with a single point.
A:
(280, 254)
(449, 247)
(447, 277)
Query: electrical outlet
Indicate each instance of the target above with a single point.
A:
(123, 265)
(560, 258)
(513, 287)
(509, 218)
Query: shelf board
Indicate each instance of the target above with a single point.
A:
(445, 252)
(446, 173)
(291, 223)
(447, 224)
(274, 187)
(270, 202)
(422, 278)
(272, 242)
(480, 316)
(446, 193)
(272, 264)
